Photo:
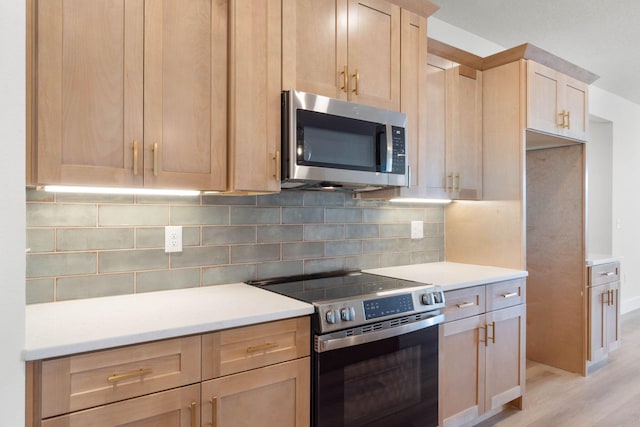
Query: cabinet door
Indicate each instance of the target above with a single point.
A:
(185, 94)
(576, 104)
(254, 91)
(89, 91)
(604, 320)
(436, 124)
(598, 302)
(374, 53)
(461, 371)
(413, 98)
(613, 317)
(273, 396)
(544, 88)
(556, 103)
(315, 47)
(505, 359)
(464, 130)
(174, 408)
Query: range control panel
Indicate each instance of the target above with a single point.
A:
(348, 313)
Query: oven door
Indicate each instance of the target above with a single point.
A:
(387, 377)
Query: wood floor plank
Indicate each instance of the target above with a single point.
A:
(609, 397)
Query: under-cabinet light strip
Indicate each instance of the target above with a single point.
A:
(115, 190)
(415, 200)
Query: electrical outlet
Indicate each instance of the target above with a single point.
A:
(173, 238)
(416, 230)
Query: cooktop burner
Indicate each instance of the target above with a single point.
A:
(345, 299)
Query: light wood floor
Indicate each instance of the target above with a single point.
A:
(609, 397)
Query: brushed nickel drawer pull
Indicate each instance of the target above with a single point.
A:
(510, 295)
(465, 304)
(262, 347)
(133, 374)
(608, 273)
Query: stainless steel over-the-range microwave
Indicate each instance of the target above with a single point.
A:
(329, 143)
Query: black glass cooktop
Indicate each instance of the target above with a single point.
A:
(333, 286)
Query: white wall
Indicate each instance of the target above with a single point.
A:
(625, 118)
(625, 121)
(12, 172)
(599, 184)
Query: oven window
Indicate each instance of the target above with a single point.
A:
(391, 382)
(382, 385)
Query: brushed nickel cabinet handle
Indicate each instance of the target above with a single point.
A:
(608, 273)
(263, 347)
(510, 295)
(465, 304)
(127, 375)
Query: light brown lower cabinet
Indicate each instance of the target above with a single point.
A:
(604, 312)
(173, 408)
(276, 395)
(254, 375)
(482, 356)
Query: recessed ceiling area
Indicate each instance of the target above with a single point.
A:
(600, 36)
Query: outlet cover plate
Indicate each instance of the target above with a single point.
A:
(416, 230)
(173, 238)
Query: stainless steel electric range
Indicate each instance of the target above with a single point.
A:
(375, 347)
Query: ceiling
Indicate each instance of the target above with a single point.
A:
(600, 36)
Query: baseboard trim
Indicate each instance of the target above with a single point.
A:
(629, 305)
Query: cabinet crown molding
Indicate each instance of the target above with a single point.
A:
(541, 56)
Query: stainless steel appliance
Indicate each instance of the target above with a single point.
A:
(375, 341)
(327, 142)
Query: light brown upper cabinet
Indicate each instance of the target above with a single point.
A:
(346, 49)
(557, 104)
(130, 93)
(454, 129)
(255, 73)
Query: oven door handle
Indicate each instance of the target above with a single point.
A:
(332, 342)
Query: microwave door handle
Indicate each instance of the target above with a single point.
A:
(389, 162)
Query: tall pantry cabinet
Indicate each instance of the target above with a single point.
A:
(533, 213)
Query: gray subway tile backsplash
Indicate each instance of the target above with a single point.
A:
(84, 246)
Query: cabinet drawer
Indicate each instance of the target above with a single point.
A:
(464, 303)
(174, 408)
(604, 273)
(91, 379)
(505, 294)
(250, 347)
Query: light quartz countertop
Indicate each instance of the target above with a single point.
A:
(599, 259)
(68, 327)
(450, 275)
